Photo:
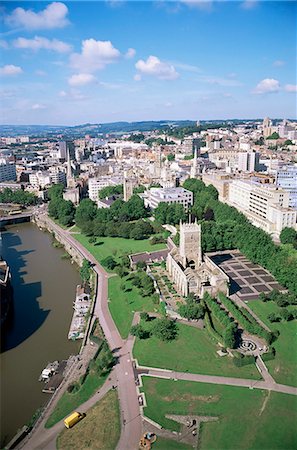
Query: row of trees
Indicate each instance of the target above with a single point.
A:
(229, 228)
(246, 320)
(90, 218)
(18, 196)
(170, 213)
(58, 208)
(289, 236)
(281, 299)
(230, 328)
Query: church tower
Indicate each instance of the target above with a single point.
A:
(128, 188)
(190, 244)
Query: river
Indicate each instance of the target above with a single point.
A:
(44, 287)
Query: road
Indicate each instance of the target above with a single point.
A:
(124, 376)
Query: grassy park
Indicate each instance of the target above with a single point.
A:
(70, 401)
(100, 429)
(123, 303)
(284, 367)
(192, 351)
(116, 247)
(247, 419)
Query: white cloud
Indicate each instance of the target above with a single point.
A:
(81, 79)
(38, 106)
(201, 4)
(72, 95)
(278, 63)
(130, 53)
(186, 67)
(155, 67)
(10, 69)
(137, 77)
(53, 16)
(42, 43)
(266, 86)
(95, 55)
(62, 94)
(40, 73)
(291, 88)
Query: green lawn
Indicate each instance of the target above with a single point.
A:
(284, 367)
(123, 304)
(193, 351)
(116, 247)
(248, 419)
(69, 402)
(99, 430)
(169, 444)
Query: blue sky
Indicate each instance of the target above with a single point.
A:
(77, 62)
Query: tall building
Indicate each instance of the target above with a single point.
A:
(248, 161)
(286, 178)
(264, 205)
(7, 171)
(190, 145)
(267, 127)
(189, 271)
(128, 186)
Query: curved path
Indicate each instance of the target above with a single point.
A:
(123, 371)
(123, 374)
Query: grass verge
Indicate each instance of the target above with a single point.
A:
(122, 304)
(247, 419)
(100, 429)
(284, 367)
(116, 247)
(192, 351)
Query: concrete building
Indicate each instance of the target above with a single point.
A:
(154, 196)
(267, 127)
(7, 171)
(96, 184)
(264, 205)
(286, 178)
(190, 145)
(248, 161)
(220, 181)
(189, 271)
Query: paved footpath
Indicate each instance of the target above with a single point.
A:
(229, 381)
(123, 374)
(123, 371)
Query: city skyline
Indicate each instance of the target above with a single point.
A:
(72, 62)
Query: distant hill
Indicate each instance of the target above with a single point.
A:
(104, 128)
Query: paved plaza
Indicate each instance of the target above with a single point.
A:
(247, 279)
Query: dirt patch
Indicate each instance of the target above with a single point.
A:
(192, 398)
(264, 403)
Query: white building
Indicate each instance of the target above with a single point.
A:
(286, 178)
(266, 206)
(248, 161)
(168, 195)
(96, 184)
(7, 171)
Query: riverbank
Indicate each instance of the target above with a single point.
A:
(44, 289)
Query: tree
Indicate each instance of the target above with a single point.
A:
(139, 331)
(109, 191)
(85, 271)
(272, 317)
(230, 335)
(273, 136)
(141, 230)
(286, 314)
(141, 265)
(55, 191)
(85, 212)
(191, 311)
(289, 236)
(171, 157)
(144, 316)
(164, 329)
(109, 262)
